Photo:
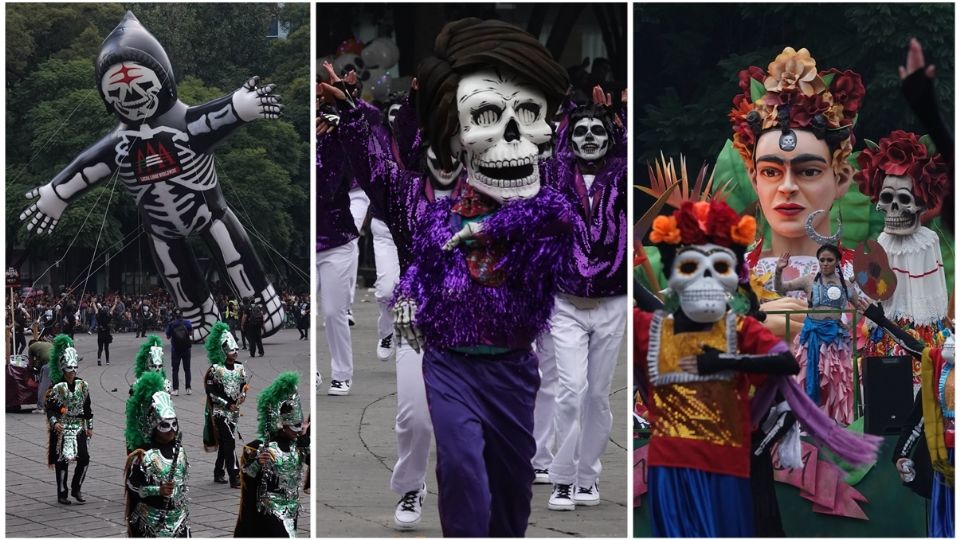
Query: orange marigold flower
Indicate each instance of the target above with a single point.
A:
(701, 209)
(744, 231)
(665, 230)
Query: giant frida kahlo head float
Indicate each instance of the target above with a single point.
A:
(793, 128)
(134, 76)
(485, 98)
(702, 246)
(905, 178)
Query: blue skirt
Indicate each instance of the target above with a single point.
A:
(688, 502)
(941, 506)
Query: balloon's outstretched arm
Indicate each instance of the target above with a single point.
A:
(211, 122)
(92, 166)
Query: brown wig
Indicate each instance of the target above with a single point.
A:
(471, 45)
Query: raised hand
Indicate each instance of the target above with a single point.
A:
(45, 213)
(405, 322)
(915, 61)
(252, 101)
(600, 98)
(783, 261)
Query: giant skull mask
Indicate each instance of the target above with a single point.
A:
(503, 134)
(590, 139)
(131, 90)
(704, 277)
(444, 177)
(901, 209)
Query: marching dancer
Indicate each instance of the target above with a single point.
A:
(70, 419)
(226, 386)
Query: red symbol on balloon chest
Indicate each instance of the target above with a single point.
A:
(155, 159)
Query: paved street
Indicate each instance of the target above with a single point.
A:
(32, 508)
(356, 451)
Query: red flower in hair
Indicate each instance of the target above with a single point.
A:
(847, 88)
(752, 72)
(720, 221)
(902, 154)
(689, 226)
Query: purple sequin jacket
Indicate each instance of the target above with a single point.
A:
(335, 225)
(597, 266)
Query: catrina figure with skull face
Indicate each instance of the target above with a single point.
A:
(793, 128)
(482, 265)
(162, 151)
(588, 322)
(906, 180)
(693, 367)
(157, 467)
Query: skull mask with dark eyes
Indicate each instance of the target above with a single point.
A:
(590, 139)
(442, 176)
(503, 133)
(704, 277)
(131, 90)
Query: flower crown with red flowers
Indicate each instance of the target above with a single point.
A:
(904, 154)
(792, 94)
(702, 222)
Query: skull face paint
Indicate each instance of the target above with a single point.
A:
(446, 178)
(590, 139)
(704, 277)
(900, 208)
(503, 134)
(131, 90)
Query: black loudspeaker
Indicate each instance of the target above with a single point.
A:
(887, 393)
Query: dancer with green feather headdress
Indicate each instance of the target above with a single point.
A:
(70, 419)
(272, 465)
(226, 386)
(156, 470)
(150, 359)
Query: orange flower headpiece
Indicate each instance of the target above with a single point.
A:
(792, 94)
(702, 222)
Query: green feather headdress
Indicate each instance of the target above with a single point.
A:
(60, 344)
(140, 362)
(282, 390)
(214, 343)
(139, 409)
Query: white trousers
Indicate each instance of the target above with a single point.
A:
(388, 274)
(587, 345)
(413, 427)
(544, 424)
(336, 270)
(359, 202)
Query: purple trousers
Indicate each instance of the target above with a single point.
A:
(482, 412)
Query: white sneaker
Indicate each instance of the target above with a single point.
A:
(587, 496)
(562, 498)
(189, 392)
(175, 393)
(319, 381)
(410, 509)
(385, 348)
(339, 388)
(542, 476)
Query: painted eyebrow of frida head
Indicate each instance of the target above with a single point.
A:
(802, 158)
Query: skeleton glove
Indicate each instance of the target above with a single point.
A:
(252, 102)
(405, 322)
(45, 213)
(468, 231)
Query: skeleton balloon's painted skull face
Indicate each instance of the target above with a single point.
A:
(503, 134)
(704, 277)
(131, 90)
(901, 209)
(446, 178)
(590, 139)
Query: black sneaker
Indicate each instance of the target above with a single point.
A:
(63, 500)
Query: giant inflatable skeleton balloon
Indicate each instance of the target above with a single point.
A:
(162, 150)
